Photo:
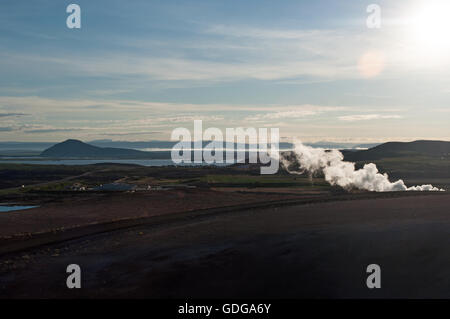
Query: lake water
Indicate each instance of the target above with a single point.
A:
(154, 162)
(4, 209)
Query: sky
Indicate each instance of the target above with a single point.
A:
(136, 70)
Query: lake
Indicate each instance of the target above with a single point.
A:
(143, 162)
(4, 209)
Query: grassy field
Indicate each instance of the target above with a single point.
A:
(24, 178)
(279, 180)
(20, 179)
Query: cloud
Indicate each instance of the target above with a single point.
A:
(266, 54)
(12, 114)
(281, 115)
(179, 69)
(243, 31)
(297, 112)
(52, 130)
(367, 117)
(188, 118)
(224, 53)
(318, 122)
(131, 133)
(7, 129)
(44, 105)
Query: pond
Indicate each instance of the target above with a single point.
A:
(13, 208)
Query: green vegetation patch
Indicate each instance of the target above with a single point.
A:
(262, 181)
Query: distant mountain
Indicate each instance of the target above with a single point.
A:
(170, 144)
(20, 148)
(401, 149)
(134, 145)
(78, 149)
(333, 145)
(368, 145)
(162, 144)
(31, 146)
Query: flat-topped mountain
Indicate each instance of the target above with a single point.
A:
(79, 149)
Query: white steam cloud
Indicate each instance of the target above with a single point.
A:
(339, 172)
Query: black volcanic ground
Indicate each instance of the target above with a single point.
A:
(306, 251)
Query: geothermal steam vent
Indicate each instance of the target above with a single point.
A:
(339, 172)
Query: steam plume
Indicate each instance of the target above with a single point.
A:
(339, 172)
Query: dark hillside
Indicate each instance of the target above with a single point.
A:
(401, 149)
(78, 149)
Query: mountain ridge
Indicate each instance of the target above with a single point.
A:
(72, 148)
(401, 149)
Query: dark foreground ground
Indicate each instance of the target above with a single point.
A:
(305, 251)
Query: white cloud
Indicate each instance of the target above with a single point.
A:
(266, 54)
(366, 117)
(281, 115)
(291, 112)
(264, 33)
(228, 53)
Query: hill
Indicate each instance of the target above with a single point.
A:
(401, 149)
(78, 149)
(419, 162)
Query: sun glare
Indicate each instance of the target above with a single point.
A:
(431, 26)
